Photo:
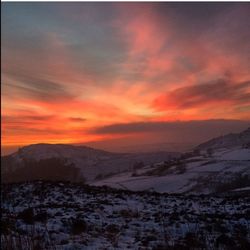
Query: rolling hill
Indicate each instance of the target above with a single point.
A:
(74, 163)
(219, 165)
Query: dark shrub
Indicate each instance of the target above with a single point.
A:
(191, 240)
(239, 181)
(64, 242)
(151, 238)
(112, 228)
(41, 217)
(224, 240)
(78, 226)
(6, 226)
(127, 213)
(181, 168)
(27, 215)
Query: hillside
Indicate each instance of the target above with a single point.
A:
(67, 162)
(196, 174)
(59, 215)
(227, 141)
(219, 165)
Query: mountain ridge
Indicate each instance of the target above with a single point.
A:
(221, 159)
(228, 140)
(89, 162)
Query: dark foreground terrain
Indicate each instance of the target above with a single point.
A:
(61, 215)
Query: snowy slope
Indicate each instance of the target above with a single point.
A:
(218, 165)
(227, 141)
(88, 162)
(201, 175)
(236, 154)
(66, 216)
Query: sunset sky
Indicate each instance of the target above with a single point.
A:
(84, 72)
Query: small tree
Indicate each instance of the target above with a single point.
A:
(197, 151)
(134, 172)
(181, 168)
(138, 165)
(210, 152)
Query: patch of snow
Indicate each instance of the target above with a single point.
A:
(237, 154)
(241, 189)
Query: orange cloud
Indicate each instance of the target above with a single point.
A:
(134, 63)
(199, 99)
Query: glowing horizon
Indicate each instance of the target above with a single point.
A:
(71, 70)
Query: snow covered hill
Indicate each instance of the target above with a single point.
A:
(196, 174)
(67, 162)
(227, 141)
(219, 165)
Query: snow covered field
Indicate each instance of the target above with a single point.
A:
(60, 215)
(200, 174)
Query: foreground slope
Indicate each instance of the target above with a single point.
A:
(46, 215)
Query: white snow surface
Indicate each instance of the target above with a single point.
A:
(242, 189)
(220, 167)
(113, 219)
(236, 154)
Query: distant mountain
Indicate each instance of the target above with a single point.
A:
(67, 162)
(227, 141)
(45, 151)
(218, 165)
